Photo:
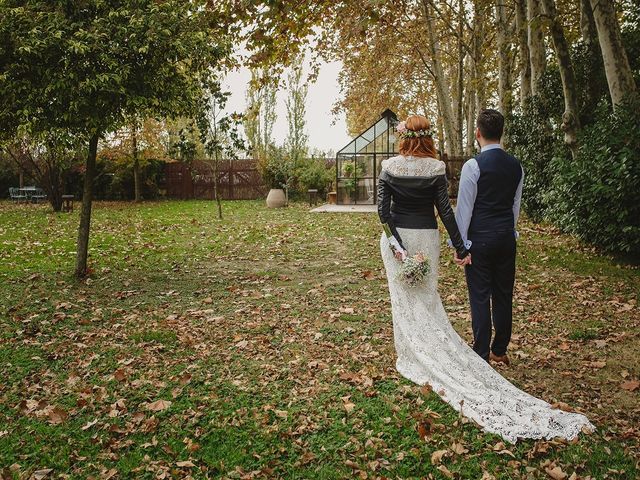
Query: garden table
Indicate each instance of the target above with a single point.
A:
(28, 191)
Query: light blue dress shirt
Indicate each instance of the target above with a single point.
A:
(468, 190)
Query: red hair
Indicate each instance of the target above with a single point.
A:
(418, 146)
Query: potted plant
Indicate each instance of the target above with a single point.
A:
(351, 172)
(272, 165)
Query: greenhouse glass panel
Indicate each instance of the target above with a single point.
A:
(358, 164)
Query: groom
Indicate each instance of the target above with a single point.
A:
(487, 213)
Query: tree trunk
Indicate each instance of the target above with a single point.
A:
(136, 163)
(53, 187)
(590, 39)
(459, 95)
(471, 127)
(523, 52)
(570, 120)
(440, 130)
(504, 65)
(136, 180)
(537, 54)
(616, 64)
(477, 63)
(21, 181)
(588, 24)
(470, 103)
(85, 214)
(216, 190)
(442, 85)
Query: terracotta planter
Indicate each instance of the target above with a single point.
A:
(276, 198)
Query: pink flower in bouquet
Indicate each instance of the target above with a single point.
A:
(414, 270)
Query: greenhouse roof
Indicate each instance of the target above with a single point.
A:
(378, 138)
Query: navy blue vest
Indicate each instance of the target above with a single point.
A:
(500, 175)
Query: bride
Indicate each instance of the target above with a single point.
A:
(428, 348)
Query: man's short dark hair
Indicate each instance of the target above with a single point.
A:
(491, 124)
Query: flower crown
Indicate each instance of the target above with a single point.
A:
(404, 132)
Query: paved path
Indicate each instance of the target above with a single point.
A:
(346, 209)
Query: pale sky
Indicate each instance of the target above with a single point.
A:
(326, 131)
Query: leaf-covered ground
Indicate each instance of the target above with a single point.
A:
(261, 347)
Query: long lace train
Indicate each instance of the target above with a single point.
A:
(431, 352)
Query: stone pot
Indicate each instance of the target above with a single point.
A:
(276, 198)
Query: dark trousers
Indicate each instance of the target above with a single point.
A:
(490, 280)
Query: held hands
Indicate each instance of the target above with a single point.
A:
(462, 262)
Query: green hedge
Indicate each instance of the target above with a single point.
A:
(597, 195)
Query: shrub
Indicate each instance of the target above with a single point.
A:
(596, 196)
(8, 176)
(314, 174)
(274, 166)
(535, 142)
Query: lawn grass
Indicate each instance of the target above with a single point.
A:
(270, 335)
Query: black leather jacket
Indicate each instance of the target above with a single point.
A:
(407, 202)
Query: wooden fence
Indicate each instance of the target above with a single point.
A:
(240, 180)
(237, 180)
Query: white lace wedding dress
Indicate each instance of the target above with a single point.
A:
(431, 352)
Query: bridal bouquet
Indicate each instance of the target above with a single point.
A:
(414, 269)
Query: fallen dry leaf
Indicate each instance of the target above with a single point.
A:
(630, 385)
(120, 375)
(89, 424)
(458, 448)
(437, 456)
(426, 389)
(445, 471)
(40, 474)
(423, 430)
(158, 405)
(57, 416)
(556, 473)
(108, 474)
(368, 275)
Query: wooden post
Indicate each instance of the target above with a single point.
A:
(231, 179)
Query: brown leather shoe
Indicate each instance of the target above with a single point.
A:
(499, 358)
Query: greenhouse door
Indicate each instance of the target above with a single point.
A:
(357, 179)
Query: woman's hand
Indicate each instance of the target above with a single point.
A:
(400, 254)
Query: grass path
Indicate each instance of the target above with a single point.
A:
(261, 347)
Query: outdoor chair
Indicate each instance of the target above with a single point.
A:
(38, 196)
(16, 195)
(67, 205)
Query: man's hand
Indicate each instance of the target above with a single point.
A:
(462, 262)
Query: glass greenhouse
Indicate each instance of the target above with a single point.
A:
(358, 164)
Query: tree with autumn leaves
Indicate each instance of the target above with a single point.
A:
(134, 145)
(558, 69)
(88, 68)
